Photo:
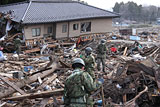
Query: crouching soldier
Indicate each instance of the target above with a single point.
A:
(78, 86)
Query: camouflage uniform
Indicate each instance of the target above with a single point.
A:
(78, 87)
(101, 56)
(90, 65)
(17, 44)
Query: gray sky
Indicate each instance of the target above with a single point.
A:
(108, 4)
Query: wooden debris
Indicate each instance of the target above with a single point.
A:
(125, 51)
(31, 79)
(103, 99)
(32, 50)
(45, 94)
(12, 85)
(128, 103)
(47, 82)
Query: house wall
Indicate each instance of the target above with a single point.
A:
(59, 33)
(97, 26)
(28, 30)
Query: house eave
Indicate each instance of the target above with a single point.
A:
(72, 20)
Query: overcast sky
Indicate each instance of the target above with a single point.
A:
(108, 4)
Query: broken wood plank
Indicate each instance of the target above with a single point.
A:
(103, 99)
(47, 82)
(47, 67)
(44, 94)
(125, 51)
(30, 80)
(12, 37)
(48, 64)
(12, 85)
(32, 50)
(16, 62)
(6, 75)
(154, 52)
(125, 98)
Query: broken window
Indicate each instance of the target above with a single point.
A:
(75, 26)
(86, 27)
(64, 28)
(50, 30)
(36, 32)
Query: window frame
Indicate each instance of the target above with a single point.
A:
(75, 25)
(50, 30)
(87, 29)
(64, 28)
(36, 32)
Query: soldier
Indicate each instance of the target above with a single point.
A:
(101, 54)
(89, 62)
(17, 44)
(78, 86)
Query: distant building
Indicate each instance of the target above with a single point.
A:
(60, 19)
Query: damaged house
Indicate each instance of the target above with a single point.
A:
(59, 19)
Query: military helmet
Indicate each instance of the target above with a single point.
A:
(103, 40)
(88, 50)
(78, 61)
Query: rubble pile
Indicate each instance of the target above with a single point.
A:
(130, 79)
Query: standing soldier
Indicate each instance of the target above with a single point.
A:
(79, 86)
(101, 54)
(89, 62)
(17, 44)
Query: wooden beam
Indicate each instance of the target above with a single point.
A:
(124, 98)
(44, 94)
(125, 51)
(12, 37)
(32, 50)
(103, 99)
(12, 85)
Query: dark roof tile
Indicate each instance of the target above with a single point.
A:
(53, 11)
(18, 10)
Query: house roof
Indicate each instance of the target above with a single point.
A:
(40, 11)
(18, 10)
